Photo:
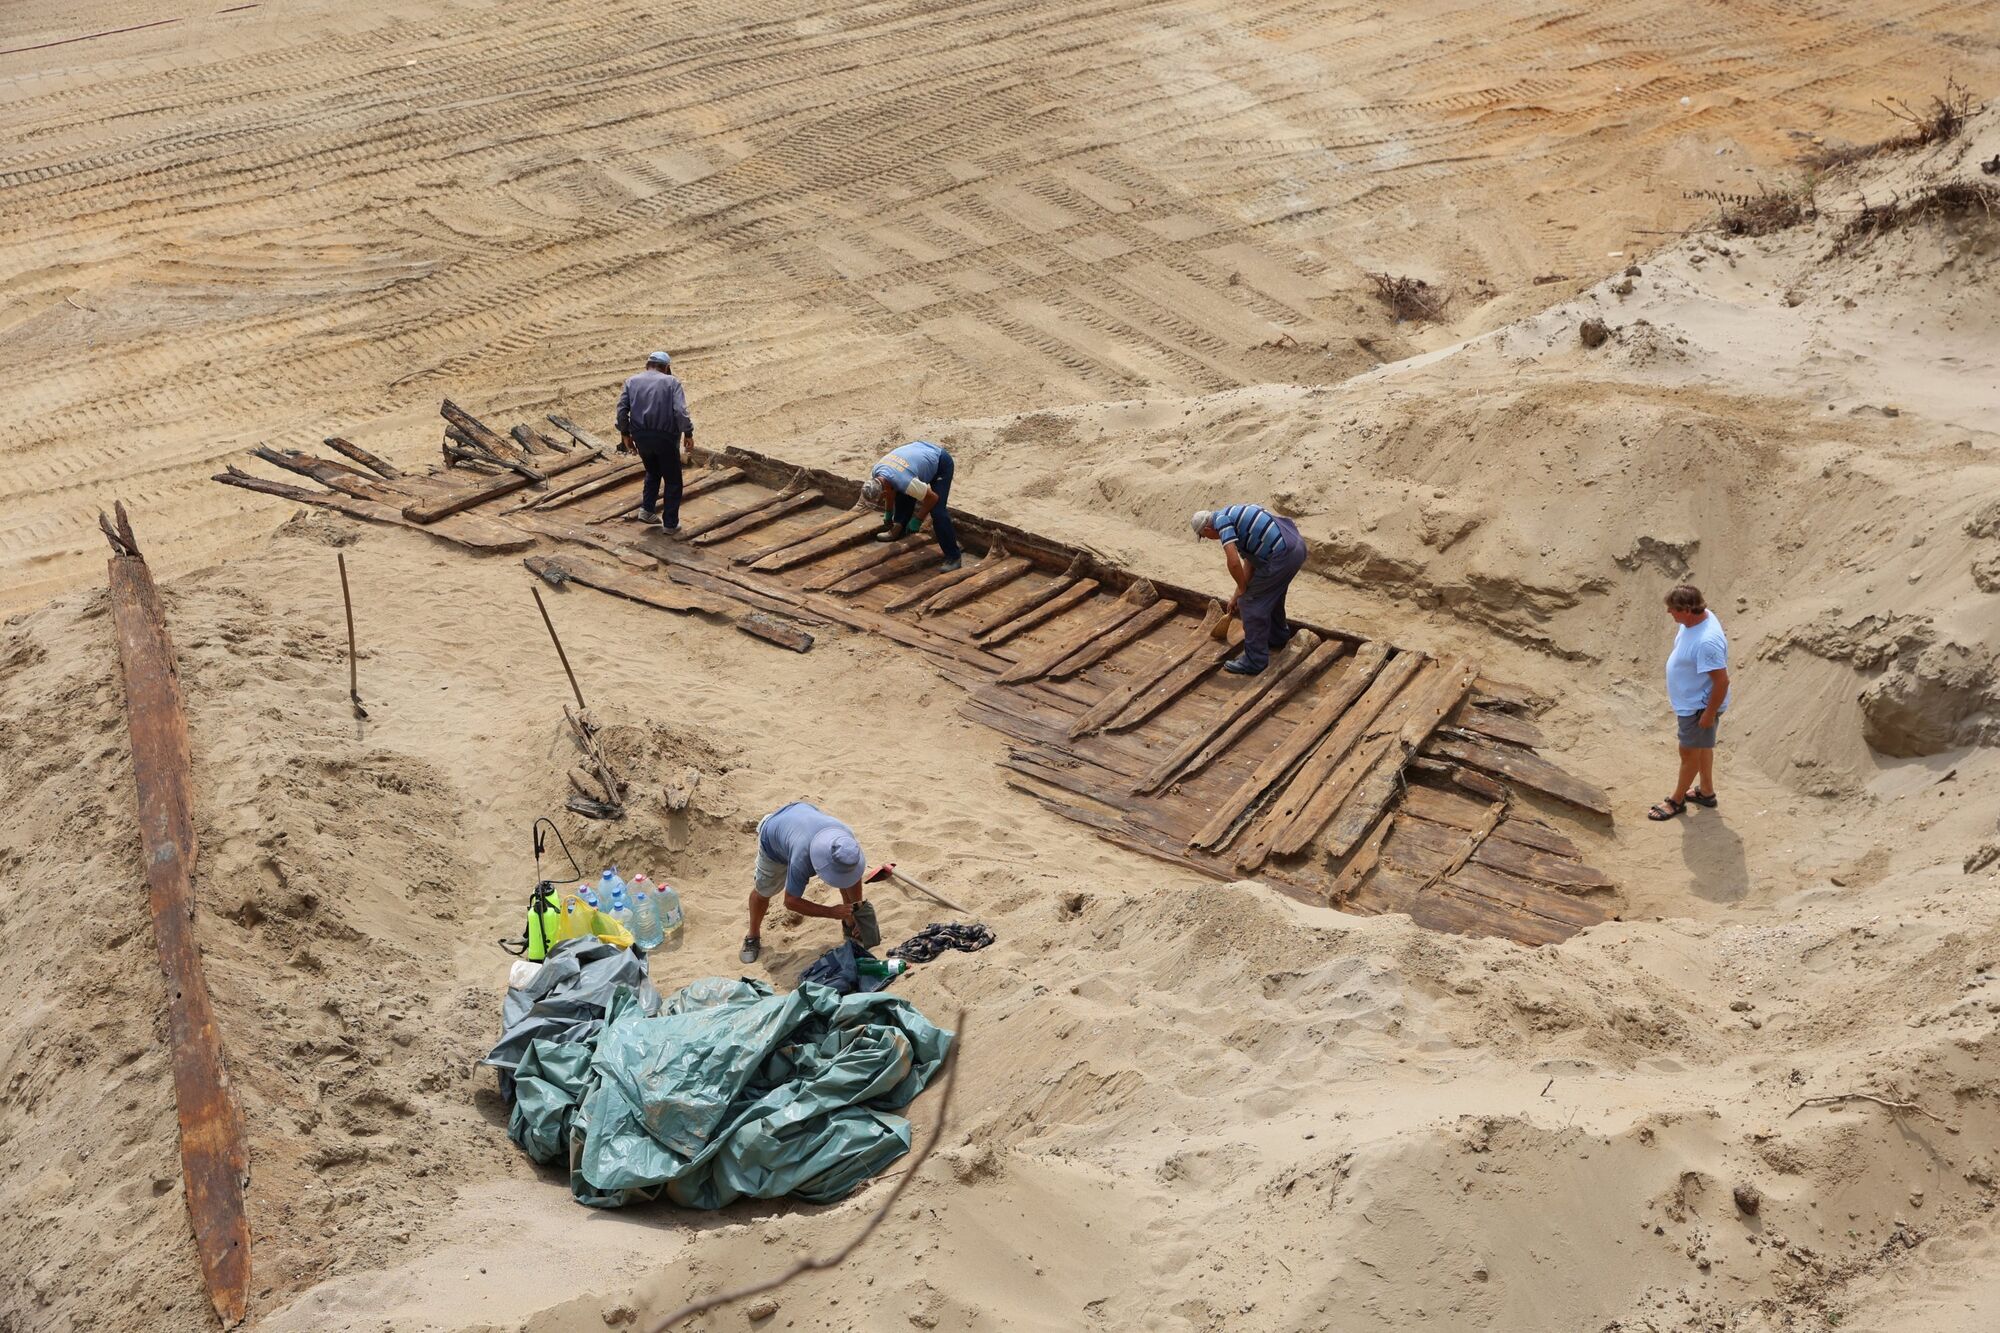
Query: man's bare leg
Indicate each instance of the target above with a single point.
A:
(759, 905)
(1691, 765)
(1706, 760)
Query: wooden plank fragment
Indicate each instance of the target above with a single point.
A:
(648, 590)
(1357, 682)
(1184, 676)
(1443, 807)
(1116, 701)
(771, 630)
(531, 439)
(1266, 694)
(431, 510)
(1495, 725)
(1132, 629)
(1356, 765)
(748, 517)
(468, 530)
(858, 528)
(714, 479)
(1026, 601)
(993, 573)
(940, 582)
(214, 1164)
(481, 435)
(1359, 866)
(1538, 836)
(1069, 594)
(864, 568)
(1416, 715)
(1529, 863)
(1528, 769)
(1527, 895)
(1107, 619)
(382, 467)
(619, 474)
(844, 518)
(579, 434)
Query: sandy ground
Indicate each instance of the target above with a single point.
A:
(267, 222)
(1053, 239)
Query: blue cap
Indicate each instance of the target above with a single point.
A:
(836, 858)
(659, 359)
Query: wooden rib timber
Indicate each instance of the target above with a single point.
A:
(214, 1165)
(1348, 772)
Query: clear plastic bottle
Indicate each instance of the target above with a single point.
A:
(620, 908)
(607, 881)
(669, 904)
(646, 929)
(588, 894)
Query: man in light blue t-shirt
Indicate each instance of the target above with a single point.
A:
(795, 843)
(1698, 692)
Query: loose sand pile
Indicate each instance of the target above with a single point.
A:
(1183, 1105)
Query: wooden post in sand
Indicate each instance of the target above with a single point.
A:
(353, 667)
(214, 1164)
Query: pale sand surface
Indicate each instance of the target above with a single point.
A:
(1184, 1106)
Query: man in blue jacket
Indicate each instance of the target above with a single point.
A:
(653, 418)
(913, 482)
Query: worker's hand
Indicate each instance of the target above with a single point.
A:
(1706, 720)
(1232, 605)
(624, 444)
(845, 913)
(916, 521)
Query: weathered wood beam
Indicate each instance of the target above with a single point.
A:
(865, 567)
(1069, 593)
(996, 570)
(1267, 694)
(380, 466)
(468, 530)
(1107, 620)
(842, 519)
(1116, 700)
(1326, 711)
(214, 1164)
(1027, 601)
(859, 528)
(1527, 768)
(747, 517)
(1181, 673)
(431, 510)
(579, 434)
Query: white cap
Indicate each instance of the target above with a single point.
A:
(871, 490)
(1199, 521)
(659, 359)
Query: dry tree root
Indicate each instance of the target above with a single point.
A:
(1949, 199)
(1409, 298)
(1761, 213)
(1938, 122)
(1835, 1099)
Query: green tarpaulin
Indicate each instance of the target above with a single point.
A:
(730, 1091)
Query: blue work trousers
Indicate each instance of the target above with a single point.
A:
(1262, 605)
(906, 508)
(660, 451)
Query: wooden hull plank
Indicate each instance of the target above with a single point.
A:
(214, 1164)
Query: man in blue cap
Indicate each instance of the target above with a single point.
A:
(653, 418)
(912, 483)
(794, 843)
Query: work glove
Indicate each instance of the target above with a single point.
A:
(916, 521)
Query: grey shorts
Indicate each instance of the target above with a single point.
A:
(1694, 737)
(769, 876)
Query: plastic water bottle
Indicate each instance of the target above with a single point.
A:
(646, 930)
(588, 894)
(669, 904)
(621, 906)
(608, 881)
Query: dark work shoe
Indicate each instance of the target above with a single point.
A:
(673, 531)
(1240, 666)
(956, 562)
(752, 946)
(642, 516)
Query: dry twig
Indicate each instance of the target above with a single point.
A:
(1409, 298)
(813, 1263)
(1837, 1098)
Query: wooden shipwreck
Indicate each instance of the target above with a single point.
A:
(1359, 774)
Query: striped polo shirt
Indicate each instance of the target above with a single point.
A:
(1254, 529)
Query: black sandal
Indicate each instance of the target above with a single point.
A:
(1705, 802)
(1666, 809)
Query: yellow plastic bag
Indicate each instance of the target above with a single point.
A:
(580, 918)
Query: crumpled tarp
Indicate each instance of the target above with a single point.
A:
(727, 1091)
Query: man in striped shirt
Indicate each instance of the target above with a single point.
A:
(1264, 552)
